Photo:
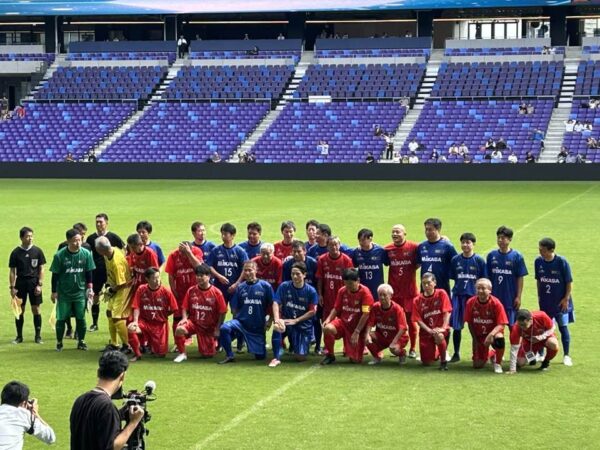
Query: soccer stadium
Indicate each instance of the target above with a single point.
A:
(352, 224)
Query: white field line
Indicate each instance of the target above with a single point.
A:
(256, 407)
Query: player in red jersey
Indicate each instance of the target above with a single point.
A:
(431, 310)
(329, 274)
(348, 318)
(532, 332)
(486, 318)
(283, 248)
(402, 255)
(140, 258)
(268, 267)
(152, 305)
(180, 267)
(389, 321)
(203, 312)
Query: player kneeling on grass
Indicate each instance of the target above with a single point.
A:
(203, 312)
(486, 318)
(251, 303)
(294, 307)
(389, 321)
(348, 318)
(532, 332)
(431, 310)
(152, 305)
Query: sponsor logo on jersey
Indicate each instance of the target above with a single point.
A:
(434, 312)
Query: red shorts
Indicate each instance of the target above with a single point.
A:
(206, 342)
(406, 303)
(428, 348)
(354, 352)
(526, 346)
(481, 352)
(381, 342)
(157, 336)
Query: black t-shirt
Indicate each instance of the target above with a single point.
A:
(95, 422)
(114, 240)
(27, 262)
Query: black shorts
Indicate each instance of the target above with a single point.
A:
(98, 280)
(26, 290)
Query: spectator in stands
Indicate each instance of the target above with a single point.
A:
(523, 108)
(501, 144)
(463, 150)
(323, 148)
(405, 102)
(413, 145)
(214, 158)
(370, 159)
(538, 135)
(442, 159)
(413, 158)
(408, 34)
(592, 143)
(593, 104)
(530, 108)
(561, 158)
(3, 107)
(496, 156)
(378, 130)
(571, 158)
(345, 36)
(246, 37)
(69, 157)
(587, 126)
(20, 111)
(529, 158)
(435, 155)
(280, 37)
(253, 51)
(182, 46)
(91, 156)
(578, 127)
(389, 146)
(580, 159)
(453, 150)
(198, 38)
(512, 158)
(569, 126)
(490, 144)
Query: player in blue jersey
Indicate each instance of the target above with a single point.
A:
(465, 270)
(144, 229)
(554, 281)
(311, 233)
(435, 254)
(199, 233)
(320, 248)
(252, 245)
(293, 310)
(226, 262)
(369, 259)
(506, 270)
(250, 305)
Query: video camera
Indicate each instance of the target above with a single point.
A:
(137, 398)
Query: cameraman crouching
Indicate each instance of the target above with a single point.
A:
(95, 420)
(19, 415)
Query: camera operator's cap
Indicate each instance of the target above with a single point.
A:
(16, 306)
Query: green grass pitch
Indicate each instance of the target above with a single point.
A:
(247, 405)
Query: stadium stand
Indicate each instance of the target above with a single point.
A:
(498, 51)
(122, 56)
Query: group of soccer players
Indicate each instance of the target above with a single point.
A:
(308, 292)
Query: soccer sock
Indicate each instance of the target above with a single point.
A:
(550, 354)
(95, 314)
(112, 330)
(176, 321)
(37, 324)
(276, 343)
(456, 338)
(134, 341)
(412, 333)
(180, 343)
(225, 341)
(318, 332)
(442, 349)
(565, 338)
(373, 349)
(69, 326)
(499, 355)
(19, 325)
(329, 344)
(121, 327)
(60, 330)
(80, 327)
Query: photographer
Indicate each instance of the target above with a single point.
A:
(19, 415)
(95, 420)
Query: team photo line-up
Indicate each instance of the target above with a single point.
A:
(308, 292)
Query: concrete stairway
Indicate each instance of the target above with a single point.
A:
(125, 126)
(554, 135)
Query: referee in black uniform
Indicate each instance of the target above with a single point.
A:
(26, 278)
(99, 275)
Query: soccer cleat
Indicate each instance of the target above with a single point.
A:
(567, 361)
(38, 340)
(374, 361)
(497, 368)
(135, 358)
(82, 346)
(229, 359)
(319, 352)
(93, 328)
(545, 365)
(448, 357)
(455, 358)
(18, 340)
(180, 358)
(533, 362)
(444, 366)
(412, 354)
(59, 346)
(329, 359)
(274, 362)
(402, 359)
